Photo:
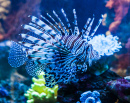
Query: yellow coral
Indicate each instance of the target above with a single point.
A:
(39, 93)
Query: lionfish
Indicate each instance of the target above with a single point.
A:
(54, 48)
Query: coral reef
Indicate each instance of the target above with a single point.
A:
(70, 93)
(121, 9)
(9, 96)
(90, 97)
(121, 88)
(39, 93)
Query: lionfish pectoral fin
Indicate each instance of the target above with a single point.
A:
(34, 69)
(17, 55)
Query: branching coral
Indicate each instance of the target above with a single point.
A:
(121, 9)
(39, 93)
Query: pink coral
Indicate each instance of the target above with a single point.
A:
(124, 59)
(121, 9)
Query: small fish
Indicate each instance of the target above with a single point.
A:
(54, 48)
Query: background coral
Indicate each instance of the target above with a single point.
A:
(122, 63)
(4, 10)
(70, 93)
(121, 88)
(121, 9)
(19, 11)
(15, 96)
(4, 47)
(19, 15)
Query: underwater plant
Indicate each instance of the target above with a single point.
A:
(90, 97)
(39, 93)
(56, 49)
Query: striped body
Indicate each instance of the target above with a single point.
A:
(54, 49)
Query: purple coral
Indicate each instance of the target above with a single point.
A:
(121, 88)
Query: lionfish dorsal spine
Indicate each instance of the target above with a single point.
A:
(61, 31)
(67, 20)
(99, 22)
(54, 27)
(62, 24)
(85, 28)
(44, 36)
(57, 36)
(49, 34)
(76, 29)
(38, 32)
(89, 27)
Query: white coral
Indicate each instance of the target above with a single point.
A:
(105, 45)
